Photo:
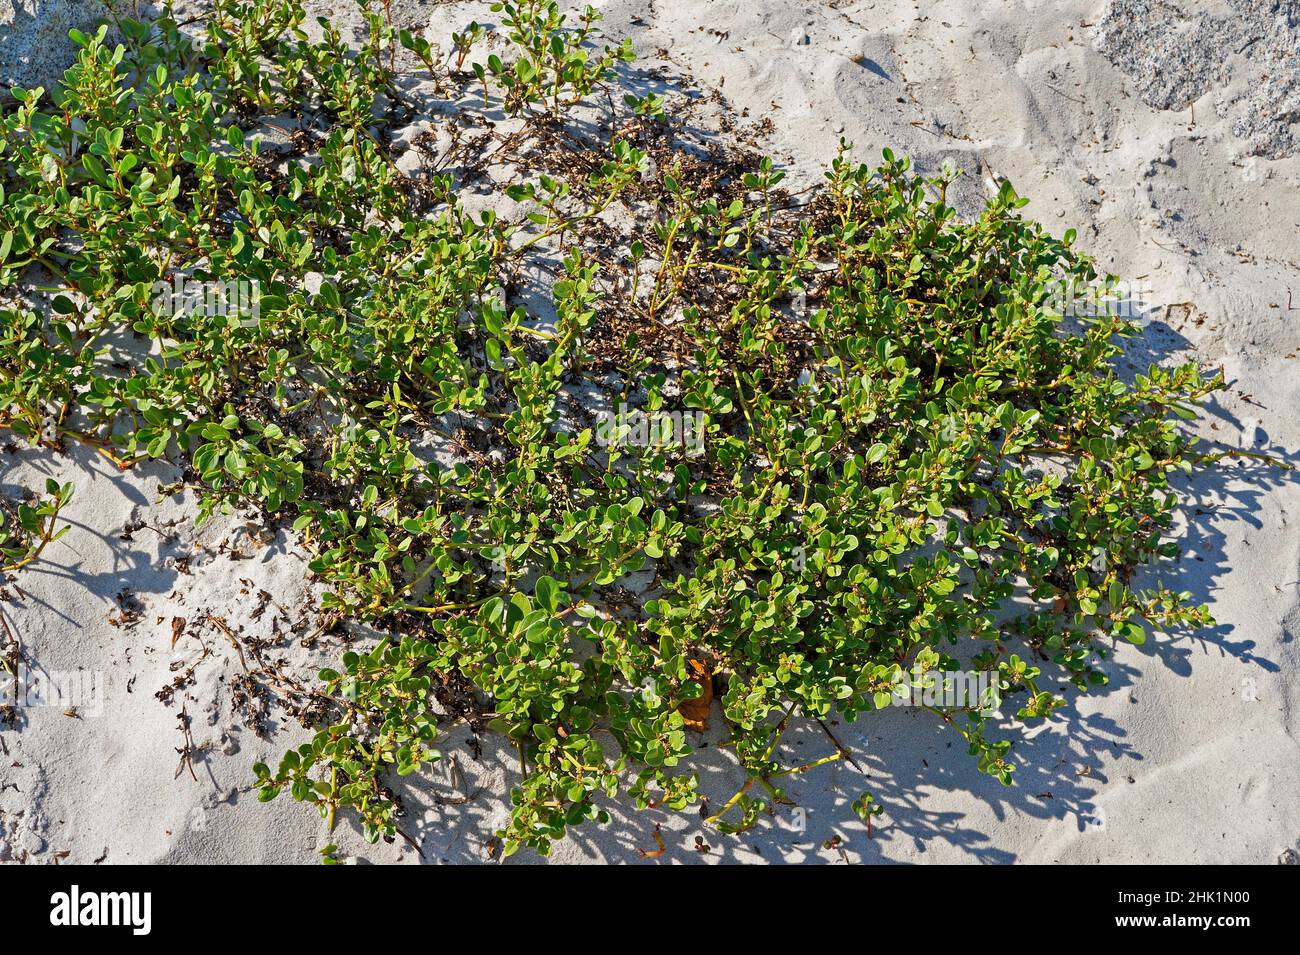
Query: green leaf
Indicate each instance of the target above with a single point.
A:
(545, 593)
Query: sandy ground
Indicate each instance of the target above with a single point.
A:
(1190, 755)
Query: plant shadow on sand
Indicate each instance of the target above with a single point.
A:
(905, 757)
(89, 558)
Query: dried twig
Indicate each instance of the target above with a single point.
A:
(230, 635)
(186, 749)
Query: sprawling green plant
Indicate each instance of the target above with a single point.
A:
(904, 448)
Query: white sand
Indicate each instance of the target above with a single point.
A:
(1190, 755)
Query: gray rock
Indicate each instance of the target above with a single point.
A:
(34, 44)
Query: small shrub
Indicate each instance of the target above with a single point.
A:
(904, 449)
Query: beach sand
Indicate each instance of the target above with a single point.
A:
(1188, 190)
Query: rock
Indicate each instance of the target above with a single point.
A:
(34, 44)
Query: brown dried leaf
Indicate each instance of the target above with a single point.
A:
(654, 853)
(695, 713)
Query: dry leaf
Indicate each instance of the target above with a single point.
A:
(695, 713)
(178, 628)
(655, 853)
